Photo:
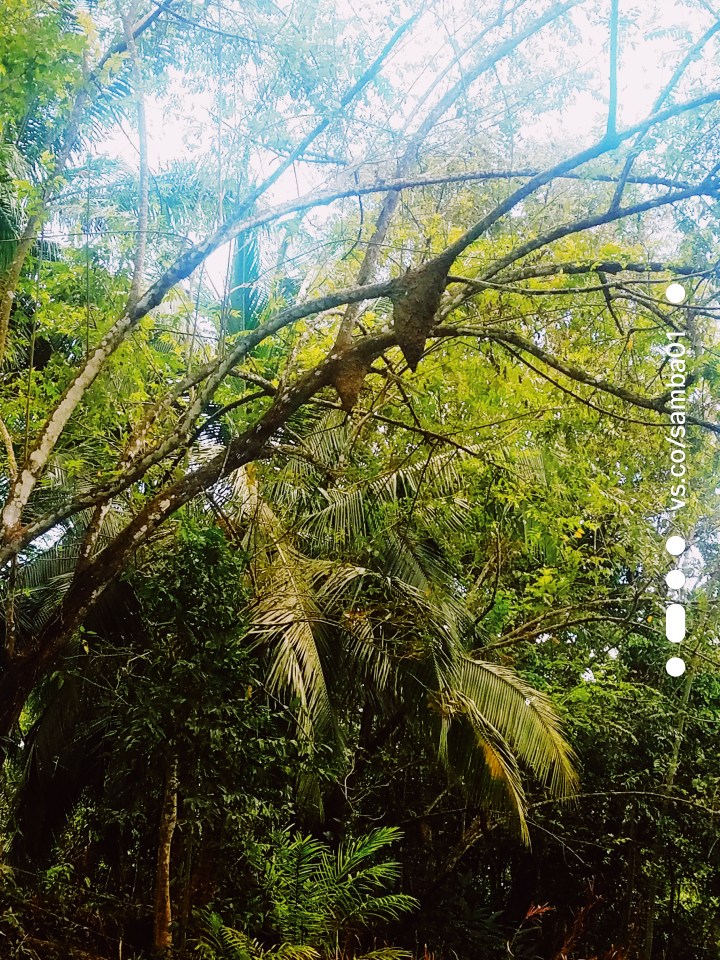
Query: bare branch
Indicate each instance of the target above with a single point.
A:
(664, 94)
(366, 78)
(490, 61)
(579, 226)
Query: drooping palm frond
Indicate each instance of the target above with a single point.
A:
(386, 953)
(477, 754)
(305, 605)
(529, 465)
(492, 723)
(285, 619)
(251, 512)
(396, 622)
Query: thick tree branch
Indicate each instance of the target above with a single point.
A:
(102, 569)
(185, 264)
(500, 335)
(215, 371)
(9, 450)
(17, 537)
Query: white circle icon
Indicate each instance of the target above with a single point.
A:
(675, 579)
(675, 666)
(675, 546)
(675, 293)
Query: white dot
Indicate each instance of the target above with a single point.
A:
(613, 653)
(675, 666)
(675, 579)
(675, 546)
(675, 293)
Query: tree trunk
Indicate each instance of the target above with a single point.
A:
(647, 947)
(21, 672)
(523, 886)
(162, 931)
(187, 858)
(628, 914)
(17, 679)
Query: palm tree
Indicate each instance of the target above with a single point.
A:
(321, 901)
(354, 591)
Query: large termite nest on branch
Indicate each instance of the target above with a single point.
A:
(415, 304)
(348, 380)
(415, 298)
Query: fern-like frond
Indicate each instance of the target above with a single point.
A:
(317, 894)
(352, 854)
(386, 953)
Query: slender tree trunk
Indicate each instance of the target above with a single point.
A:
(647, 947)
(17, 679)
(630, 886)
(162, 931)
(187, 880)
(671, 914)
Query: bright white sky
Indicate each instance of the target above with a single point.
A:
(646, 63)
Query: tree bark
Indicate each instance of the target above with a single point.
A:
(17, 680)
(162, 923)
(657, 848)
(628, 914)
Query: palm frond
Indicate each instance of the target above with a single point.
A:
(471, 747)
(526, 718)
(248, 298)
(284, 620)
(316, 893)
(221, 942)
(401, 620)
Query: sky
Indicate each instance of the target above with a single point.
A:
(648, 55)
(647, 61)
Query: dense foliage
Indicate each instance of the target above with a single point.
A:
(341, 438)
